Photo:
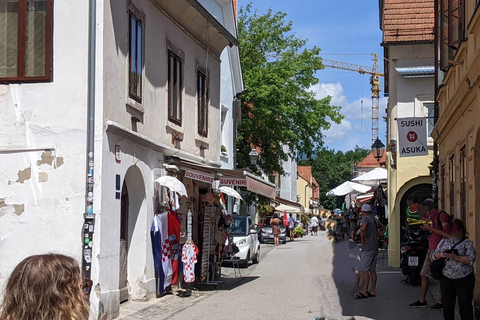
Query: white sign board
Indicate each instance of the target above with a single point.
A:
(412, 136)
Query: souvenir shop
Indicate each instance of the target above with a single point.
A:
(193, 208)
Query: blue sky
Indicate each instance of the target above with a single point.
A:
(346, 31)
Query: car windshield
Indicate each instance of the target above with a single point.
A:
(267, 221)
(239, 226)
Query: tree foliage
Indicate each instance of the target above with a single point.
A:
(281, 115)
(331, 168)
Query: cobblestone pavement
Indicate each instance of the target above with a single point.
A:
(169, 305)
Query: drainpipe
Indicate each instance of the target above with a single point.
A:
(435, 106)
(89, 216)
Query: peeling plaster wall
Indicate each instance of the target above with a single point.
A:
(42, 150)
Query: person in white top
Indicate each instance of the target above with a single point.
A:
(314, 224)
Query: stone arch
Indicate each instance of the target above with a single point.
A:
(135, 235)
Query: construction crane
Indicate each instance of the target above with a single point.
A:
(374, 82)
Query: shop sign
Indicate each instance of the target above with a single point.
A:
(233, 181)
(199, 176)
(412, 136)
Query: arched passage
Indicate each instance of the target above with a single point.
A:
(132, 234)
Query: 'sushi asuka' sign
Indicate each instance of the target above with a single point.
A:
(412, 136)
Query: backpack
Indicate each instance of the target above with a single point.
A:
(449, 216)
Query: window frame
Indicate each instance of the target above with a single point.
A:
(463, 183)
(202, 102)
(21, 46)
(451, 182)
(175, 89)
(132, 93)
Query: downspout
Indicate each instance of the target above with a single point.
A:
(435, 105)
(89, 216)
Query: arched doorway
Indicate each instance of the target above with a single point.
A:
(123, 280)
(419, 192)
(132, 244)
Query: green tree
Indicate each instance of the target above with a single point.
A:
(281, 115)
(331, 168)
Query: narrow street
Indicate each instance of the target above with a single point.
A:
(303, 279)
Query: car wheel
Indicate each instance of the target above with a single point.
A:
(256, 259)
(284, 241)
(244, 263)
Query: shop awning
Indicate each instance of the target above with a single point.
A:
(289, 209)
(227, 177)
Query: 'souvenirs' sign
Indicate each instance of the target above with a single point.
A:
(412, 136)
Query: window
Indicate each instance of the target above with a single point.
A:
(442, 184)
(456, 23)
(202, 102)
(452, 29)
(174, 88)
(463, 184)
(135, 58)
(25, 40)
(451, 169)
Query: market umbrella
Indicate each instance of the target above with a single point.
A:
(377, 174)
(230, 192)
(173, 184)
(348, 187)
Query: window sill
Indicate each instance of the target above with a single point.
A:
(202, 142)
(135, 105)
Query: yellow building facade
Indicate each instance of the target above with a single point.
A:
(457, 130)
(408, 41)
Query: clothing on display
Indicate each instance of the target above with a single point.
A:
(174, 240)
(189, 259)
(156, 236)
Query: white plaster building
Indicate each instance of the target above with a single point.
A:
(155, 91)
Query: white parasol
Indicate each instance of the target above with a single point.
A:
(173, 184)
(348, 187)
(230, 192)
(377, 174)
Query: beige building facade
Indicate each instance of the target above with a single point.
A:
(457, 130)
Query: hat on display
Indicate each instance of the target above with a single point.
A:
(366, 208)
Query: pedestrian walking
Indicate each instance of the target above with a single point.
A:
(314, 225)
(458, 279)
(275, 223)
(441, 223)
(369, 232)
(47, 286)
(291, 226)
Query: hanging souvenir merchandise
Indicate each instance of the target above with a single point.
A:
(174, 237)
(166, 249)
(156, 237)
(189, 258)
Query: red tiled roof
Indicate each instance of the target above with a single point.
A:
(408, 20)
(369, 161)
(305, 172)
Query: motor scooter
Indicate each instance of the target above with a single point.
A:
(413, 251)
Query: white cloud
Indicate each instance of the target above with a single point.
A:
(356, 127)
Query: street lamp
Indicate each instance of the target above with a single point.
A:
(253, 155)
(378, 148)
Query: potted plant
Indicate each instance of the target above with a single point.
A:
(298, 231)
(223, 150)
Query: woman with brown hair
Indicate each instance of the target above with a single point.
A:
(275, 223)
(45, 287)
